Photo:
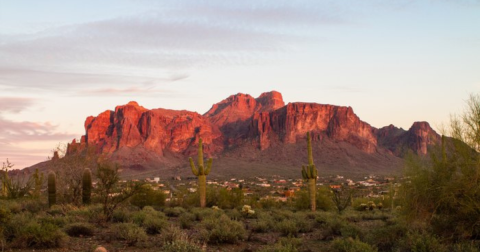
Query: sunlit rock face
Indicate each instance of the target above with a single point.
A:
(242, 120)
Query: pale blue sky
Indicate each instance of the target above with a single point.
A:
(394, 62)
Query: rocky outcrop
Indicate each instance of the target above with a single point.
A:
(242, 122)
(296, 119)
(398, 141)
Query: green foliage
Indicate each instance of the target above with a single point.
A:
(342, 198)
(26, 231)
(129, 232)
(14, 187)
(52, 189)
(150, 219)
(147, 196)
(177, 240)
(201, 172)
(301, 200)
(187, 220)
(110, 192)
(174, 211)
(351, 245)
(223, 230)
(443, 192)
(86, 186)
(79, 229)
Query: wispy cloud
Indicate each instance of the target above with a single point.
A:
(155, 46)
(17, 132)
(15, 104)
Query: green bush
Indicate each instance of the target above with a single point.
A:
(350, 245)
(264, 223)
(147, 196)
(287, 228)
(223, 230)
(187, 220)
(387, 237)
(174, 211)
(79, 229)
(422, 242)
(177, 240)
(25, 231)
(121, 215)
(129, 232)
(323, 199)
(153, 221)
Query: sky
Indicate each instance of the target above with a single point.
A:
(394, 62)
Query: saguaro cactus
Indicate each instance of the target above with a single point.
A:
(309, 172)
(52, 190)
(86, 186)
(38, 182)
(201, 172)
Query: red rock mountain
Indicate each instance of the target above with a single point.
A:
(242, 130)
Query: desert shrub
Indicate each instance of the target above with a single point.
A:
(177, 240)
(92, 213)
(174, 211)
(337, 226)
(147, 196)
(234, 214)
(263, 223)
(282, 214)
(223, 230)
(129, 232)
(269, 203)
(79, 229)
(323, 199)
(203, 213)
(386, 238)
(223, 198)
(25, 231)
(465, 247)
(34, 206)
(153, 221)
(417, 241)
(121, 215)
(287, 227)
(187, 220)
(59, 221)
(351, 245)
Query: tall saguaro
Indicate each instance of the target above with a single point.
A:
(52, 189)
(309, 173)
(201, 172)
(86, 186)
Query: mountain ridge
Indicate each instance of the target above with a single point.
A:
(242, 127)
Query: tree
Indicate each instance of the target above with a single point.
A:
(443, 192)
(69, 169)
(111, 193)
(16, 186)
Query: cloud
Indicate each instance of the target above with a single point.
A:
(15, 104)
(155, 46)
(17, 132)
(145, 91)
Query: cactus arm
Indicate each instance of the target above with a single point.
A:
(192, 165)
(304, 173)
(209, 166)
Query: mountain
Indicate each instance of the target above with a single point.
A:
(251, 136)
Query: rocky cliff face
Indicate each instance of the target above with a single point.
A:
(242, 121)
(399, 141)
